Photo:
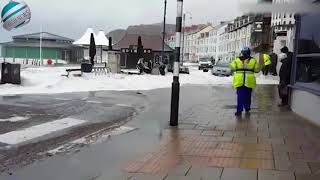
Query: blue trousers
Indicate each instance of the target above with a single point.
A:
(244, 98)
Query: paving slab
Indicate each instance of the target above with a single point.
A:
(286, 148)
(211, 133)
(315, 167)
(224, 162)
(183, 177)
(237, 174)
(145, 177)
(307, 176)
(180, 170)
(206, 173)
(271, 140)
(256, 164)
(275, 175)
(253, 140)
(234, 134)
(293, 166)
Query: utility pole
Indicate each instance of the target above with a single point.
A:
(164, 30)
(40, 63)
(174, 115)
(183, 33)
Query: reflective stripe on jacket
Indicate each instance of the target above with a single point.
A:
(244, 72)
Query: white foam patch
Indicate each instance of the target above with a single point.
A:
(48, 80)
(62, 99)
(15, 119)
(19, 136)
(123, 105)
(94, 138)
(94, 102)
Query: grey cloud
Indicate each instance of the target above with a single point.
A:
(72, 17)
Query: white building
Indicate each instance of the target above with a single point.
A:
(224, 42)
(239, 35)
(221, 48)
(283, 25)
(205, 45)
(191, 43)
(213, 43)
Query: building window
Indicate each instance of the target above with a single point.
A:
(308, 53)
(284, 22)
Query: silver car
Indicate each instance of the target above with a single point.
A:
(221, 69)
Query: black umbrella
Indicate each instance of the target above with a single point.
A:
(92, 49)
(110, 43)
(140, 48)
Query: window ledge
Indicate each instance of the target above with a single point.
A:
(313, 88)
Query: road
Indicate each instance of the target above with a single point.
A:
(32, 125)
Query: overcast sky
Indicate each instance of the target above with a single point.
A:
(71, 17)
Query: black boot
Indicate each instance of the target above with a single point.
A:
(238, 114)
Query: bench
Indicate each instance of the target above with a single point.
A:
(71, 70)
(96, 70)
(101, 70)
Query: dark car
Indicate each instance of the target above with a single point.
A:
(183, 69)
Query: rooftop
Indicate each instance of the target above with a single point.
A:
(44, 36)
(153, 42)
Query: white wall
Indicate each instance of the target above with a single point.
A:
(306, 105)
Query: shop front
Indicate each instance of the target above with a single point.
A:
(305, 79)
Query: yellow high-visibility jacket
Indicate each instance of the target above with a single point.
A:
(266, 59)
(244, 72)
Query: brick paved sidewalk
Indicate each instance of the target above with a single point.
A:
(210, 144)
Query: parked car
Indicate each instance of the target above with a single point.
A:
(222, 69)
(183, 69)
(205, 64)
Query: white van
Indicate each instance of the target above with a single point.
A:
(205, 63)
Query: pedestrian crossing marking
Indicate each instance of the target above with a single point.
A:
(23, 135)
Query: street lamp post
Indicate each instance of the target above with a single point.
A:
(183, 33)
(183, 36)
(164, 29)
(175, 84)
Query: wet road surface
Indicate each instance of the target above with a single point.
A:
(60, 118)
(206, 114)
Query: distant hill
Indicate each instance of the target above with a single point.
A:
(151, 29)
(116, 35)
(143, 29)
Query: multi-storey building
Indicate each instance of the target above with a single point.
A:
(191, 36)
(283, 25)
(239, 35)
(251, 30)
(205, 43)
